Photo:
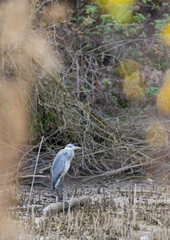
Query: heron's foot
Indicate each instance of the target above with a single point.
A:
(66, 204)
(60, 199)
(60, 196)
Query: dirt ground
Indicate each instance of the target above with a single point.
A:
(117, 209)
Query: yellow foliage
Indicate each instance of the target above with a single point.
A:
(121, 10)
(85, 20)
(104, 2)
(127, 67)
(165, 34)
(133, 85)
(115, 2)
(156, 134)
(122, 1)
(163, 97)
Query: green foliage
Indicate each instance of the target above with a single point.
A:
(160, 65)
(106, 82)
(89, 21)
(165, 4)
(139, 18)
(146, 1)
(151, 91)
(91, 10)
(100, 23)
(160, 23)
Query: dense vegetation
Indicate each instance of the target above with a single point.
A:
(92, 78)
(88, 103)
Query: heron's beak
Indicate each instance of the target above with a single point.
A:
(75, 148)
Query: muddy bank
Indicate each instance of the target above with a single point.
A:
(134, 209)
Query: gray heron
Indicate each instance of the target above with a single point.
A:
(61, 165)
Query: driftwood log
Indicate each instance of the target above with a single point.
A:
(53, 208)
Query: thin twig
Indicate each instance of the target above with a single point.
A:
(34, 176)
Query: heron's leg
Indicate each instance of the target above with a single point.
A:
(60, 194)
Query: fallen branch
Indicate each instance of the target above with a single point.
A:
(31, 176)
(53, 208)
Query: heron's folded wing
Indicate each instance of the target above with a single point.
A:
(58, 167)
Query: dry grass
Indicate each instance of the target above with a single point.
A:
(25, 53)
(121, 211)
(16, 83)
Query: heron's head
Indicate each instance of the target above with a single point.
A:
(71, 147)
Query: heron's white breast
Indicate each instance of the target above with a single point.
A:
(67, 166)
(67, 163)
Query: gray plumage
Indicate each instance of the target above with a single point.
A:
(61, 164)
